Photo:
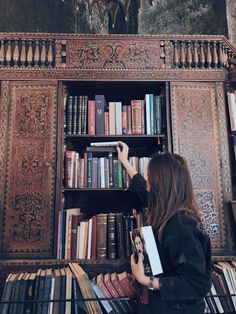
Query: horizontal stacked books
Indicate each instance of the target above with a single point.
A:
(68, 290)
(141, 116)
(93, 171)
(103, 236)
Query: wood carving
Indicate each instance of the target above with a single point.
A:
(29, 193)
(196, 136)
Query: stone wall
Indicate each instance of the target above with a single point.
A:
(183, 17)
(231, 20)
(163, 16)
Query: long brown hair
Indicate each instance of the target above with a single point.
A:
(170, 190)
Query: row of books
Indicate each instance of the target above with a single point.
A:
(103, 236)
(71, 290)
(142, 116)
(92, 171)
(222, 297)
(232, 109)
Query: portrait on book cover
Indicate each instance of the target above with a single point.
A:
(138, 246)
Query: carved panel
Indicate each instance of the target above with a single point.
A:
(113, 54)
(30, 175)
(195, 126)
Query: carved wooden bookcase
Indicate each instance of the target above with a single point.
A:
(33, 68)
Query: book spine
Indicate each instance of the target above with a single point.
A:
(84, 115)
(100, 114)
(69, 114)
(89, 169)
(91, 117)
(111, 233)
(101, 236)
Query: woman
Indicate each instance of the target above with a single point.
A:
(183, 245)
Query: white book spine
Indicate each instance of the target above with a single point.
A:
(151, 249)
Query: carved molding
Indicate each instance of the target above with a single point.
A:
(3, 141)
(196, 136)
(30, 175)
(113, 74)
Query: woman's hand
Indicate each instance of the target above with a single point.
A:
(123, 153)
(138, 269)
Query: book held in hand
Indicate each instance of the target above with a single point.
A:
(143, 240)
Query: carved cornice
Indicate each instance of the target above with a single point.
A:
(112, 75)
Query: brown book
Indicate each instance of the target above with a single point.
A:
(111, 235)
(120, 236)
(91, 117)
(121, 304)
(221, 290)
(136, 111)
(101, 236)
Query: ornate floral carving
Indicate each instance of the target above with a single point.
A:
(28, 223)
(32, 113)
(30, 160)
(107, 54)
(195, 136)
(29, 190)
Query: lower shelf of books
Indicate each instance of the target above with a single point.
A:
(68, 288)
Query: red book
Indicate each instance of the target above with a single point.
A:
(136, 111)
(116, 284)
(126, 284)
(121, 304)
(106, 293)
(91, 117)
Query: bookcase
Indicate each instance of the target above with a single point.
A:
(38, 74)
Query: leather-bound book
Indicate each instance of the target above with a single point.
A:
(69, 106)
(111, 234)
(120, 236)
(91, 117)
(107, 293)
(121, 304)
(136, 112)
(101, 236)
(74, 114)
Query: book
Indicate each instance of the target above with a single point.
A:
(106, 293)
(7, 292)
(121, 305)
(143, 240)
(100, 114)
(121, 292)
(105, 303)
(101, 236)
(232, 110)
(112, 143)
(86, 288)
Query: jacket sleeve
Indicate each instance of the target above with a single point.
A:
(185, 245)
(138, 187)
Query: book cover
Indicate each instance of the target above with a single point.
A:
(143, 240)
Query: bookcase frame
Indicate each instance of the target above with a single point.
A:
(186, 64)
